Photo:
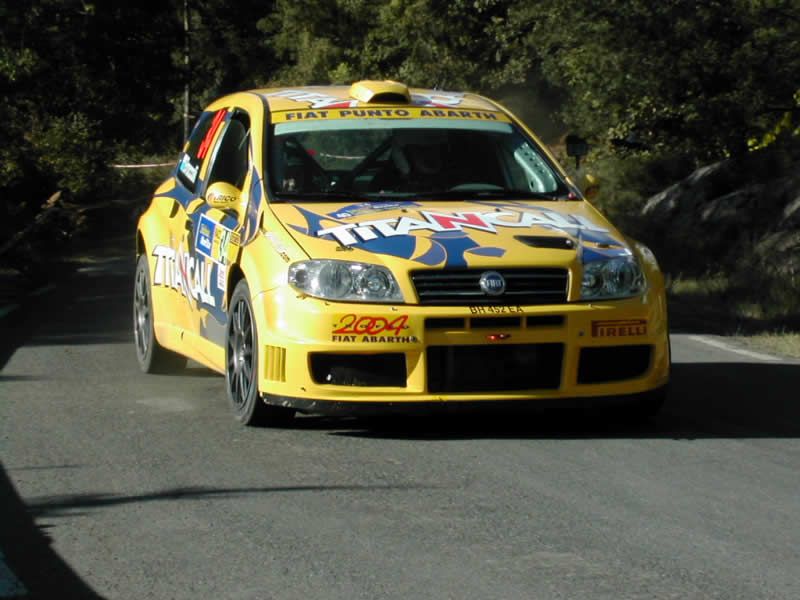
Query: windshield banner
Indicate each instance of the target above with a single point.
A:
(410, 112)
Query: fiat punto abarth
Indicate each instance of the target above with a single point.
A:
(378, 246)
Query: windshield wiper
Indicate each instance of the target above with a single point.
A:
(333, 195)
(330, 195)
(485, 195)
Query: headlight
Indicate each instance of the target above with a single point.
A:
(342, 280)
(613, 278)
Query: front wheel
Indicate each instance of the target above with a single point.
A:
(152, 356)
(241, 365)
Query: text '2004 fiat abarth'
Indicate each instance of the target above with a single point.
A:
(375, 246)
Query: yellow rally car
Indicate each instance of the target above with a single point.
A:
(379, 246)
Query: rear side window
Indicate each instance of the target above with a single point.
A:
(198, 147)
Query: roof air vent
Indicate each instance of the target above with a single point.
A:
(380, 91)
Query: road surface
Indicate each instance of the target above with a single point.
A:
(115, 484)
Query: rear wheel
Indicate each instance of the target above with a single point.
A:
(152, 357)
(241, 365)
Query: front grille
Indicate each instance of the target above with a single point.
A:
(462, 369)
(461, 287)
(460, 323)
(613, 363)
(545, 321)
(499, 322)
(445, 323)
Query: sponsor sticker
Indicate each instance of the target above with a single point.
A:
(314, 99)
(279, 246)
(318, 100)
(372, 329)
(215, 241)
(366, 208)
(438, 98)
(222, 277)
(619, 328)
(349, 234)
(205, 235)
(183, 272)
(188, 169)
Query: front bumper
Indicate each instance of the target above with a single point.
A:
(345, 354)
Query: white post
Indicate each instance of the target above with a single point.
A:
(186, 70)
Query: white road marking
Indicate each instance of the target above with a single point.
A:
(723, 346)
(10, 586)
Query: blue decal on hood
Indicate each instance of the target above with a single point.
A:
(488, 251)
(589, 254)
(455, 244)
(367, 208)
(435, 254)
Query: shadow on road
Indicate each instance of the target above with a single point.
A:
(44, 573)
(87, 302)
(707, 400)
(29, 553)
(78, 504)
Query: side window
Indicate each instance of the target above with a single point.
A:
(197, 148)
(231, 160)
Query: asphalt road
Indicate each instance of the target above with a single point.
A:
(119, 485)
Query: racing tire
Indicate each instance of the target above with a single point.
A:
(241, 366)
(152, 356)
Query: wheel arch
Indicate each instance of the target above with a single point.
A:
(140, 247)
(235, 275)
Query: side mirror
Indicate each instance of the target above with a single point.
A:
(223, 196)
(577, 147)
(590, 186)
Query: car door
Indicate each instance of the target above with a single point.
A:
(172, 287)
(211, 235)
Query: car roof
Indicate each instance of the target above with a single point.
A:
(369, 94)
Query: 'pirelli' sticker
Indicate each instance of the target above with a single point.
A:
(390, 113)
(619, 328)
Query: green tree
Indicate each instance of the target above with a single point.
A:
(699, 78)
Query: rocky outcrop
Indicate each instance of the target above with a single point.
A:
(734, 215)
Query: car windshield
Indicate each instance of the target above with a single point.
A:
(401, 158)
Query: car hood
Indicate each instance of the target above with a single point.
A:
(406, 235)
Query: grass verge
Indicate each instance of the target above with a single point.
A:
(748, 314)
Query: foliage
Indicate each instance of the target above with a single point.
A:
(456, 44)
(699, 78)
